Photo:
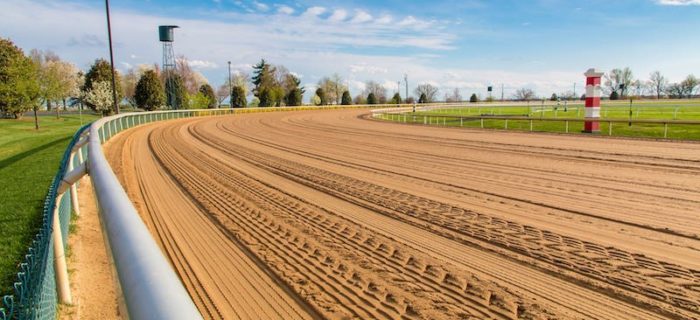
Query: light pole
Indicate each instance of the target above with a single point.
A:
(111, 60)
(405, 79)
(230, 87)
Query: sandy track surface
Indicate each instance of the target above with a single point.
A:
(326, 215)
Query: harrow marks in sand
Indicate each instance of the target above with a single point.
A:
(315, 231)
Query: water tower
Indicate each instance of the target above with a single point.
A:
(167, 37)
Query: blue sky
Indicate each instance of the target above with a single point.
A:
(545, 45)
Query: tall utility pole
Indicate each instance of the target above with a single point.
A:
(405, 80)
(574, 90)
(502, 86)
(230, 87)
(111, 60)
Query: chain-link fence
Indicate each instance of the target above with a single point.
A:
(34, 295)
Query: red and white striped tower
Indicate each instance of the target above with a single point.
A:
(592, 125)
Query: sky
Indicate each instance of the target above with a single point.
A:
(544, 45)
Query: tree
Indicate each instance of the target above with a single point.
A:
(360, 99)
(192, 80)
(149, 94)
(294, 92)
(688, 85)
(222, 93)
(371, 98)
(377, 89)
(208, 92)
(675, 90)
(553, 97)
(294, 97)
(129, 83)
(410, 100)
(100, 71)
(333, 87)
(428, 90)
(263, 77)
(48, 74)
(614, 96)
(175, 92)
(473, 98)
(423, 98)
(658, 83)
(396, 99)
(619, 80)
(455, 96)
(198, 101)
(321, 94)
(19, 90)
(238, 99)
(100, 97)
(524, 94)
(266, 98)
(346, 100)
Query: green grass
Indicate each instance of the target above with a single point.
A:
(28, 161)
(662, 110)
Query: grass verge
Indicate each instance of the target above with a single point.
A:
(28, 161)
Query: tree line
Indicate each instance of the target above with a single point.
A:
(41, 78)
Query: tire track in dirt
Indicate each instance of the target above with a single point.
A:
(319, 201)
(457, 288)
(223, 281)
(674, 284)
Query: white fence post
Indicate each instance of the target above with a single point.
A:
(59, 258)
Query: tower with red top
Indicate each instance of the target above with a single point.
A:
(592, 124)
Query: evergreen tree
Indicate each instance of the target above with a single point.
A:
(614, 96)
(371, 98)
(238, 99)
(263, 77)
(322, 96)
(19, 89)
(208, 92)
(101, 71)
(175, 92)
(423, 98)
(473, 98)
(396, 99)
(346, 100)
(149, 94)
(295, 92)
(553, 97)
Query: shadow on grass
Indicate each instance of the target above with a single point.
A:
(11, 160)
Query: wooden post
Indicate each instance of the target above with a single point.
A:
(665, 130)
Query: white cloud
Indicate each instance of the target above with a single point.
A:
(411, 21)
(361, 16)
(314, 11)
(364, 68)
(261, 6)
(338, 15)
(678, 2)
(385, 19)
(285, 10)
(202, 64)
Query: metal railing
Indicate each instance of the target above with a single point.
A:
(149, 286)
(406, 115)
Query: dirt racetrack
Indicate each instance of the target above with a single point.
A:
(322, 214)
